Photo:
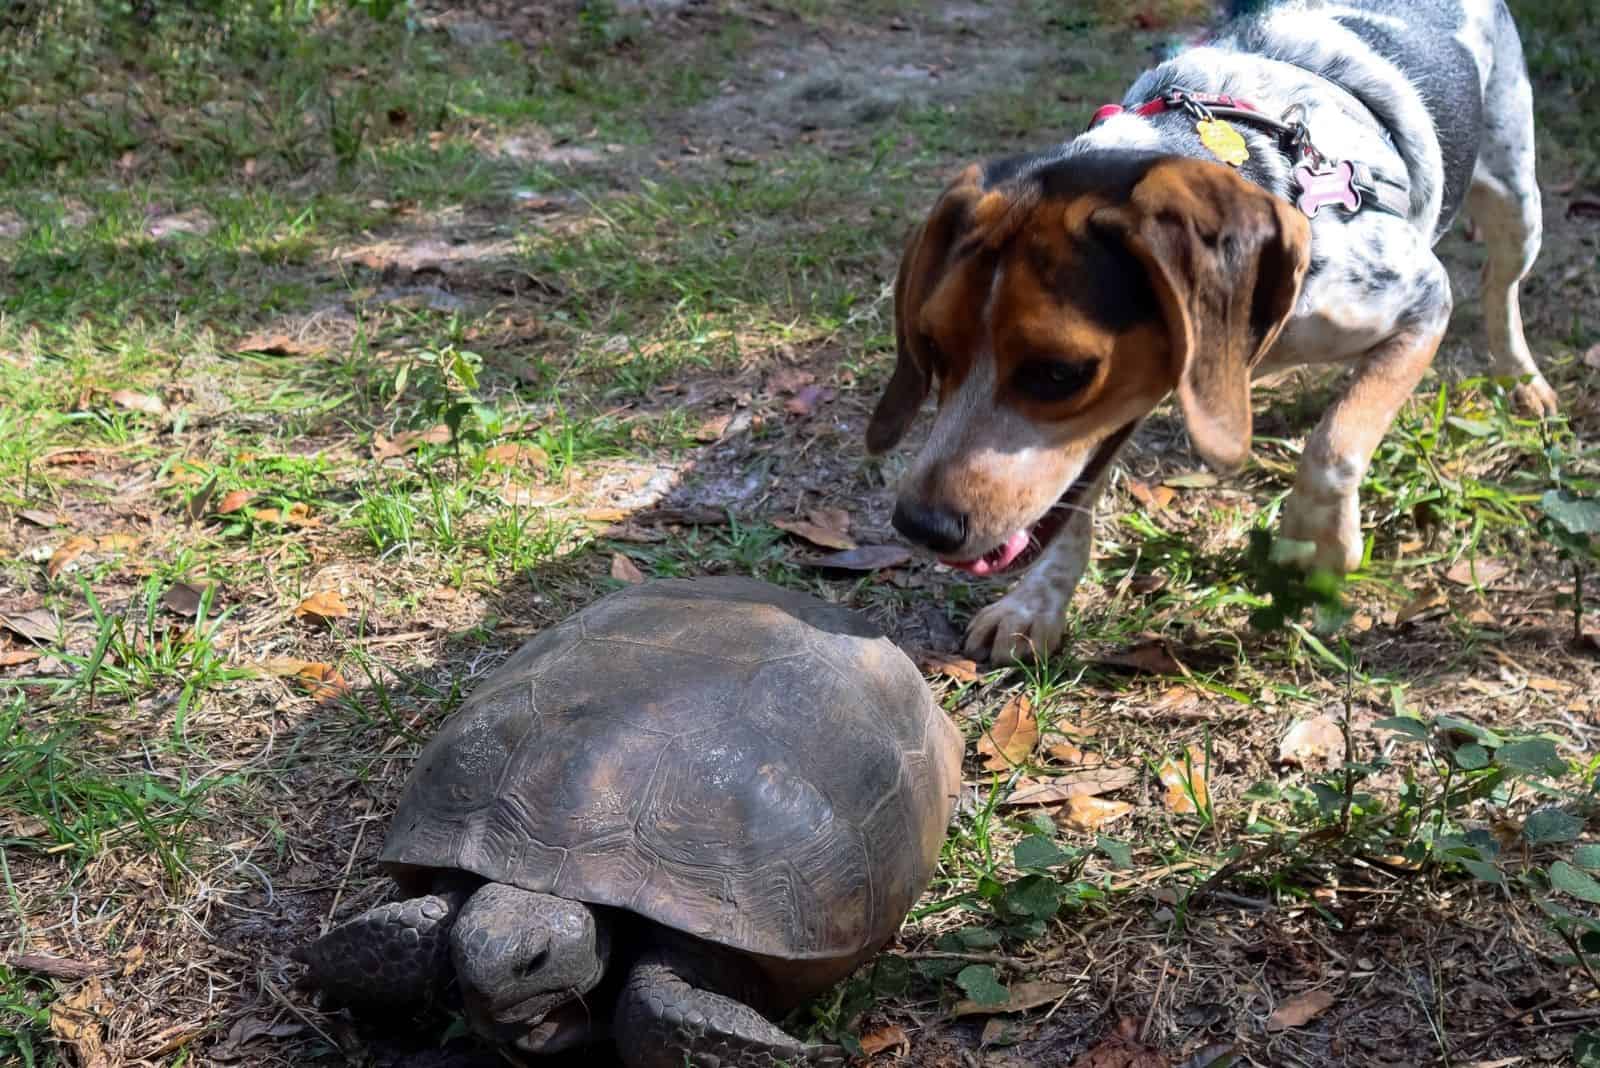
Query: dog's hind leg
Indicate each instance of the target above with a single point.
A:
(1504, 201)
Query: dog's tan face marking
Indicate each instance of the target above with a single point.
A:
(1031, 378)
(1052, 317)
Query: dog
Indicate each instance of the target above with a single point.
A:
(1267, 199)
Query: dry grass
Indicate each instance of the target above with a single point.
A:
(647, 299)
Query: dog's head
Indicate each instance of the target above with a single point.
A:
(1055, 304)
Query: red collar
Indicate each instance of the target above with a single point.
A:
(1177, 100)
(1317, 180)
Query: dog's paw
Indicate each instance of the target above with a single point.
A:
(1535, 397)
(1025, 625)
(1329, 526)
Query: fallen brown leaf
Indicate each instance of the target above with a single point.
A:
(1186, 782)
(516, 454)
(1481, 572)
(1020, 998)
(117, 541)
(40, 518)
(1424, 602)
(67, 552)
(1087, 814)
(321, 681)
(1549, 685)
(1120, 1053)
(1009, 741)
(1314, 741)
(277, 345)
(956, 667)
(299, 515)
(322, 607)
(199, 506)
(789, 380)
(816, 533)
(887, 1037)
(75, 1020)
(806, 400)
(1591, 356)
(403, 442)
(71, 456)
(864, 558)
(1086, 783)
(1155, 499)
(1300, 1010)
(138, 402)
(37, 625)
(712, 429)
(625, 570)
(233, 501)
(1152, 656)
(12, 657)
(185, 598)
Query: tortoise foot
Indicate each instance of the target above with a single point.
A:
(665, 1021)
(391, 956)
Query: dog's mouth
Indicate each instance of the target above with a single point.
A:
(1024, 546)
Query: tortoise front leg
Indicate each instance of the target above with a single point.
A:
(391, 956)
(665, 1021)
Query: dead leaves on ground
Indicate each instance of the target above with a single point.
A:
(864, 558)
(146, 403)
(1020, 997)
(889, 1037)
(959, 668)
(826, 528)
(625, 570)
(323, 607)
(407, 440)
(1312, 743)
(1010, 739)
(1300, 1010)
(1187, 781)
(322, 682)
(76, 1021)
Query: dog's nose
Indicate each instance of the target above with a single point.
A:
(936, 529)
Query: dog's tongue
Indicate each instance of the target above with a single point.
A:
(995, 560)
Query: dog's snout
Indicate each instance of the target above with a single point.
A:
(936, 529)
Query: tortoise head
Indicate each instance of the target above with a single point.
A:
(520, 957)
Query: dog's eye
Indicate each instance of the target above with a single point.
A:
(1049, 381)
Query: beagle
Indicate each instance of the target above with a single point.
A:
(1267, 199)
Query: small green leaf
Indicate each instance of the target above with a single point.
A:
(1570, 880)
(1587, 856)
(978, 938)
(1483, 870)
(1531, 754)
(1038, 852)
(1551, 825)
(1576, 515)
(1414, 729)
(1482, 735)
(1586, 1050)
(1263, 791)
(1036, 896)
(1476, 427)
(978, 982)
(1472, 757)
(1120, 853)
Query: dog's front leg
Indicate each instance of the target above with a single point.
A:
(1323, 510)
(1028, 623)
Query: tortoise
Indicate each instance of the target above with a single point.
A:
(667, 820)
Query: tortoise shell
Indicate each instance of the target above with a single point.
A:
(751, 766)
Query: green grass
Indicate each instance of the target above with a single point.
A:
(596, 352)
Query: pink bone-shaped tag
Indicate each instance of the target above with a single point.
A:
(1321, 188)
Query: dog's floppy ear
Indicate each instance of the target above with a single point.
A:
(1226, 259)
(920, 267)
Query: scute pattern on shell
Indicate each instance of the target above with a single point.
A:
(749, 765)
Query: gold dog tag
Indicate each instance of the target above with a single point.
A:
(1225, 143)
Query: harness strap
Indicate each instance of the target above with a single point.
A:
(1318, 180)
